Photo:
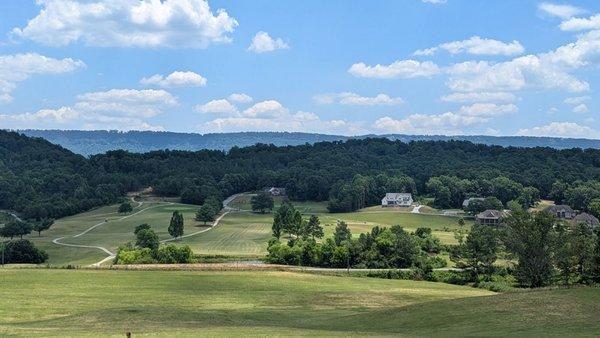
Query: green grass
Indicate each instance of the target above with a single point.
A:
(92, 303)
(308, 207)
(240, 234)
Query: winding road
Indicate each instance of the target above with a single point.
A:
(112, 255)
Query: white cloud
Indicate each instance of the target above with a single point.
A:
(581, 24)
(262, 42)
(176, 79)
(580, 109)
(217, 107)
(576, 100)
(561, 129)
(240, 98)
(478, 46)
(298, 122)
(434, 2)
(129, 102)
(426, 51)
(70, 118)
(397, 69)
(560, 11)
(487, 110)
(480, 97)
(20, 67)
(446, 123)
(266, 109)
(348, 98)
(128, 23)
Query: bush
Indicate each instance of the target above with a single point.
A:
(134, 256)
(23, 251)
(173, 254)
(437, 262)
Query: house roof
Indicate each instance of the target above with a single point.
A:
(397, 195)
(491, 214)
(586, 218)
(559, 208)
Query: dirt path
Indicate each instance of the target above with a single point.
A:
(112, 255)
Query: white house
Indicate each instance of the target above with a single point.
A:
(395, 199)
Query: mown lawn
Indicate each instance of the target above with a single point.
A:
(76, 303)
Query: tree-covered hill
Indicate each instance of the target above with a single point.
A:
(45, 180)
(100, 141)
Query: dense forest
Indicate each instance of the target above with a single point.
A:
(39, 179)
(90, 142)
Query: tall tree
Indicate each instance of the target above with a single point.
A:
(530, 238)
(147, 238)
(342, 233)
(15, 228)
(42, 225)
(206, 213)
(287, 219)
(261, 202)
(125, 207)
(312, 228)
(176, 225)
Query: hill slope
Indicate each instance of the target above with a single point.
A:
(95, 142)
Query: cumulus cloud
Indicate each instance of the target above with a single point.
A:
(561, 129)
(266, 109)
(20, 67)
(559, 10)
(479, 97)
(477, 46)
(128, 23)
(176, 79)
(262, 42)
(221, 106)
(72, 118)
(487, 110)
(349, 98)
(581, 24)
(129, 102)
(580, 108)
(398, 69)
(240, 98)
(434, 2)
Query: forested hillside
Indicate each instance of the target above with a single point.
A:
(42, 180)
(101, 141)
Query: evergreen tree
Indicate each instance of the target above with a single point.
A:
(176, 224)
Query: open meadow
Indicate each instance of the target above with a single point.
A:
(76, 303)
(242, 233)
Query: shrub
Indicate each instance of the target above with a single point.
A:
(173, 254)
(134, 256)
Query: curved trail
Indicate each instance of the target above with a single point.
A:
(112, 255)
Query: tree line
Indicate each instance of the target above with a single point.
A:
(42, 180)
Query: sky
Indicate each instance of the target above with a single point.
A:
(429, 67)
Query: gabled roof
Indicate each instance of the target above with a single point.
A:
(491, 214)
(397, 195)
(587, 219)
(559, 208)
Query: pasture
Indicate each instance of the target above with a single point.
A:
(239, 234)
(92, 303)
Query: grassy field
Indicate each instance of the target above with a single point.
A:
(243, 202)
(91, 303)
(240, 233)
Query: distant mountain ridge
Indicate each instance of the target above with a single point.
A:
(100, 141)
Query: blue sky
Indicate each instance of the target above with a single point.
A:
(337, 67)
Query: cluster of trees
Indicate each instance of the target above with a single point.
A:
(288, 220)
(262, 202)
(579, 194)
(19, 228)
(147, 250)
(451, 191)
(42, 180)
(381, 248)
(21, 251)
(547, 251)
